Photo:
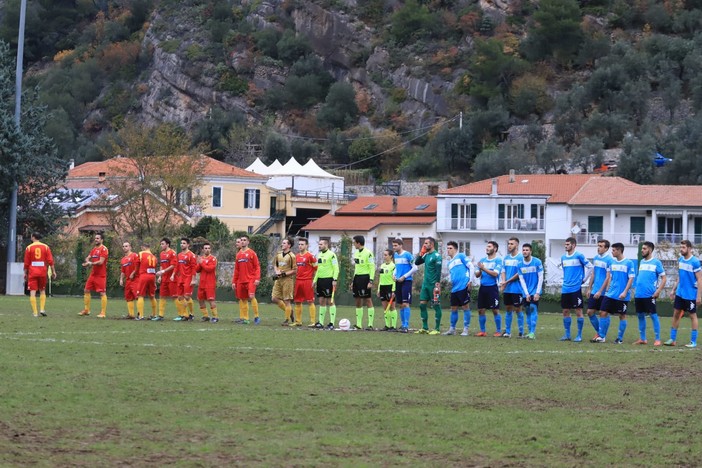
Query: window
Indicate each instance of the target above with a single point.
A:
(252, 198)
(423, 206)
(249, 230)
(596, 229)
(637, 228)
(536, 223)
(184, 197)
(464, 246)
(670, 229)
(698, 231)
(370, 206)
(463, 217)
(511, 217)
(217, 197)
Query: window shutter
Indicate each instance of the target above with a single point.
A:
(454, 211)
(246, 198)
(520, 211)
(501, 211)
(258, 199)
(473, 211)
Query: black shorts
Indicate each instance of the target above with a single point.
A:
(594, 303)
(528, 303)
(572, 300)
(385, 292)
(488, 297)
(512, 299)
(360, 286)
(686, 305)
(460, 298)
(614, 306)
(646, 305)
(403, 292)
(325, 288)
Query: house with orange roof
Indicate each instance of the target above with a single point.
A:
(553, 207)
(239, 198)
(379, 219)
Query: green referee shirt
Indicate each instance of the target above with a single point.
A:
(364, 264)
(432, 268)
(387, 271)
(327, 266)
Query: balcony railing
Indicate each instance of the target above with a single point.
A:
(320, 195)
(517, 224)
(463, 224)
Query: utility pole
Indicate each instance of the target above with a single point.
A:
(12, 233)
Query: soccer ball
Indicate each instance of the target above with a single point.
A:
(344, 324)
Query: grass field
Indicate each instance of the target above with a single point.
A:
(81, 391)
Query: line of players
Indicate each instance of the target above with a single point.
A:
(609, 284)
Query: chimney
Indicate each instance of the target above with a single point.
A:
(71, 164)
(101, 176)
(511, 176)
(394, 205)
(494, 187)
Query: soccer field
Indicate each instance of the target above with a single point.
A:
(81, 391)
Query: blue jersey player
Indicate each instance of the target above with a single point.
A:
(598, 284)
(622, 274)
(404, 268)
(686, 293)
(511, 289)
(650, 281)
(489, 268)
(460, 271)
(576, 268)
(531, 279)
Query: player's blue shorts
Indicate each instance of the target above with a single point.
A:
(460, 298)
(572, 300)
(488, 297)
(403, 292)
(646, 305)
(686, 305)
(614, 306)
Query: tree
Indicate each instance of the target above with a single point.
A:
(589, 154)
(156, 180)
(411, 22)
(454, 148)
(492, 71)
(28, 158)
(339, 109)
(683, 147)
(636, 161)
(493, 162)
(556, 31)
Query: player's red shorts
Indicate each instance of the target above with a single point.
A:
(36, 283)
(147, 286)
(96, 283)
(130, 290)
(185, 286)
(245, 290)
(205, 294)
(168, 289)
(304, 291)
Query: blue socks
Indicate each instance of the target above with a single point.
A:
(532, 317)
(498, 322)
(622, 329)
(466, 318)
(595, 323)
(482, 320)
(693, 337)
(520, 322)
(642, 326)
(604, 326)
(508, 321)
(566, 324)
(674, 334)
(454, 318)
(656, 325)
(581, 322)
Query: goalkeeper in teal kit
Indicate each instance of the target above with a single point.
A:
(432, 279)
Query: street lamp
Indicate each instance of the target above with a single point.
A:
(12, 235)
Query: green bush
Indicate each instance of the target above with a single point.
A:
(233, 83)
(170, 46)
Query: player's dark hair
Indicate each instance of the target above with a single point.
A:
(398, 241)
(303, 239)
(494, 244)
(528, 245)
(453, 244)
(572, 240)
(686, 243)
(618, 246)
(390, 253)
(514, 239)
(432, 240)
(360, 239)
(167, 241)
(187, 241)
(245, 237)
(206, 243)
(650, 245)
(605, 242)
(37, 235)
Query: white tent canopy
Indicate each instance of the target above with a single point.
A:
(308, 178)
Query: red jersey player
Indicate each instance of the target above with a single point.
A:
(37, 260)
(247, 275)
(306, 268)
(129, 277)
(168, 259)
(184, 276)
(97, 281)
(147, 280)
(207, 267)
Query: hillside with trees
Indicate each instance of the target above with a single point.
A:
(433, 88)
